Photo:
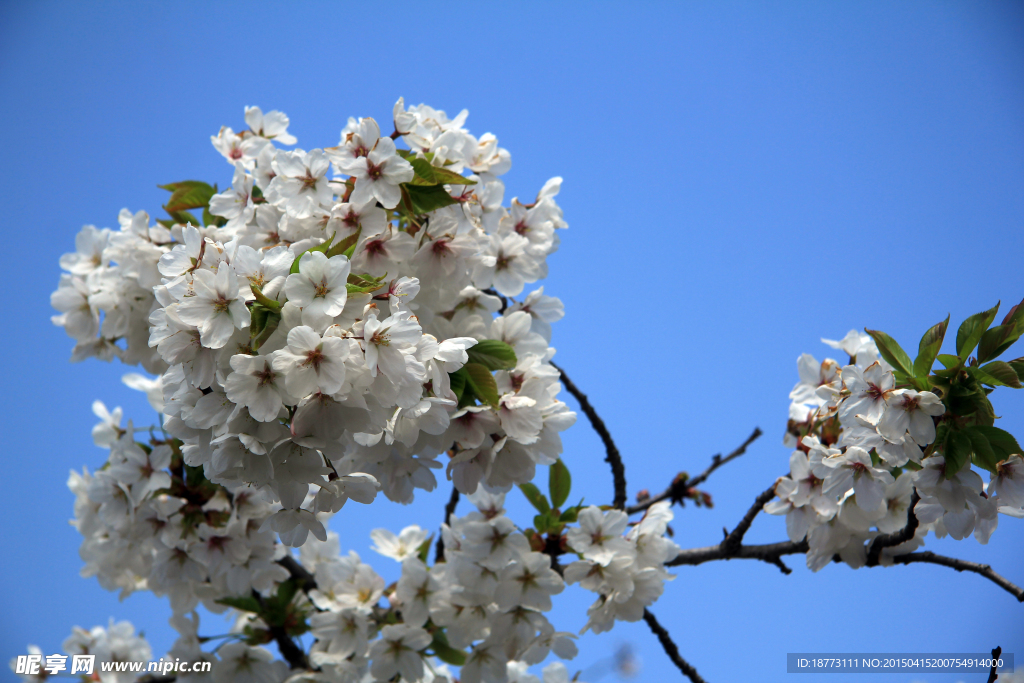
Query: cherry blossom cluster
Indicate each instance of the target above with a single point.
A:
(866, 454)
(627, 572)
(320, 329)
(151, 522)
(341, 318)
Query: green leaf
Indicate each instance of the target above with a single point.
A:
(892, 352)
(188, 194)
(929, 347)
(971, 330)
(493, 354)
(1015, 314)
(180, 218)
(480, 379)
(364, 283)
(409, 155)
(559, 483)
(535, 497)
(427, 174)
(264, 324)
(427, 199)
(949, 361)
(997, 340)
(1003, 442)
(286, 590)
(457, 380)
(984, 455)
(423, 552)
(445, 652)
(957, 451)
(346, 246)
(570, 515)
(263, 299)
(1002, 372)
(246, 604)
(1018, 366)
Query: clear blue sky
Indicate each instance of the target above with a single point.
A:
(740, 180)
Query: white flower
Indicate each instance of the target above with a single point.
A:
(240, 663)
(869, 390)
(294, 525)
(397, 652)
(273, 125)
(256, 385)
(300, 185)
(599, 535)
(310, 363)
(216, 308)
(1008, 482)
(910, 411)
(385, 342)
(401, 547)
(319, 287)
(854, 467)
(529, 582)
(378, 174)
(235, 204)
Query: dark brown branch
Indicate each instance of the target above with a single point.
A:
(770, 553)
(897, 537)
(678, 488)
(963, 566)
(670, 648)
(732, 542)
(613, 457)
(303, 578)
(449, 510)
(994, 673)
(292, 653)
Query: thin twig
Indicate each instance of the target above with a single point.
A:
(994, 673)
(613, 457)
(734, 540)
(670, 648)
(963, 566)
(449, 510)
(897, 537)
(678, 488)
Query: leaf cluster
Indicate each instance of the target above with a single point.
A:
(966, 431)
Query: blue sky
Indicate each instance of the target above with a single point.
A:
(741, 179)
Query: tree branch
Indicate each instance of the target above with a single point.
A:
(670, 648)
(963, 566)
(678, 488)
(292, 653)
(613, 457)
(770, 553)
(302, 577)
(994, 673)
(449, 510)
(734, 540)
(897, 537)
